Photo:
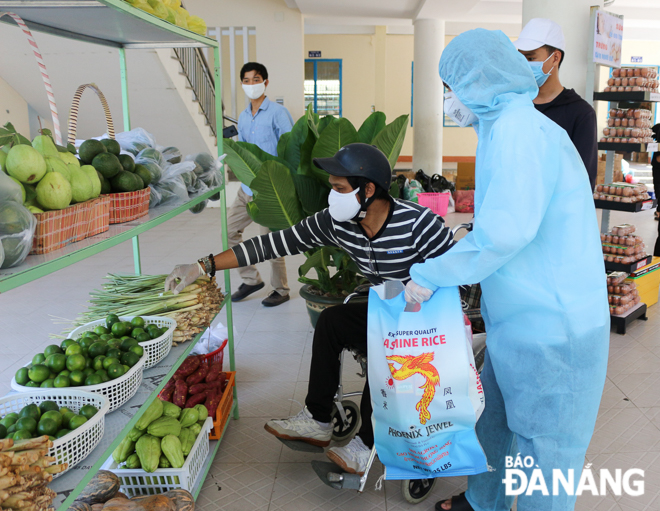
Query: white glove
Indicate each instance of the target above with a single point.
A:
(416, 293)
(188, 273)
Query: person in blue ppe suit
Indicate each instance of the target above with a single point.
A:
(536, 250)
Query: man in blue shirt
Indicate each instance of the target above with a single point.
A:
(262, 123)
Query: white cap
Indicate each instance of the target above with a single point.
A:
(539, 32)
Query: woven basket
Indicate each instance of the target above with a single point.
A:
(75, 106)
(128, 206)
(56, 229)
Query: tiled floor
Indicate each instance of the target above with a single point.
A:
(252, 470)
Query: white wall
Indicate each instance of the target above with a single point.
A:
(279, 41)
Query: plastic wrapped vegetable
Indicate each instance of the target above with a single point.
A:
(150, 155)
(10, 190)
(148, 450)
(159, 8)
(197, 25)
(171, 154)
(198, 208)
(135, 140)
(17, 226)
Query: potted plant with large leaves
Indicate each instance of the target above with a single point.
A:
(288, 188)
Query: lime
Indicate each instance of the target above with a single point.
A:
(89, 362)
(32, 384)
(138, 350)
(54, 416)
(153, 331)
(26, 423)
(109, 361)
(98, 348)
(52, 375)
(77, 378)
(9, 419)
(75, 363)
(11, 428)
(130, 359)
(126, 368)
(62, 432)
(39, 358)
(47, 406)
(56, 362)
(66, 417)
(76, 421)
(88, 371)
(64, 409)
(129, 327)
(138, 322)
(144, 337)
(104, 375)
(53, 348)
(115, 371)
(3, 431)
(163, 330)
(100, 330)
(86, 342)
(62, 381)
(66, 343)
(113, 353)
(73, 349)
(106, 337)
(66, 372)
(38, 373)
(137, 331)
(88, 333)
(114, 343)
(120, 329)
(48, 384)
(47, 427)
(88, 411)
(22, 434)
(111, 319)
(98, 362)
(93, 379)
(128, 344)
(22, 376)
(30, 411)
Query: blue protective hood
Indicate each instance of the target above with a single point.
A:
(486, 71)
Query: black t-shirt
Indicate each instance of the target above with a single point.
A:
(578, 118)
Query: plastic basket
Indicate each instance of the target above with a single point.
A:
(56, 229)
(436, 202)
(135, 482)
(155, 350)
(224, 408)
(76, 446)
(128, 206)
(216, 356)
(117, 391)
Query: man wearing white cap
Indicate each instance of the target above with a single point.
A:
(542, 43)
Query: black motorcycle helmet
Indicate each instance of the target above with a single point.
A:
(365, 162)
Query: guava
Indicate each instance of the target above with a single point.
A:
(54, 191)
(25, 164)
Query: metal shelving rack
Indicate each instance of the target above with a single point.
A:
(117, 24)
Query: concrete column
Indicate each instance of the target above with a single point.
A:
(427, 96)
(573, 16)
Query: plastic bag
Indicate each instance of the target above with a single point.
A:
(150, 155)
(17, 226)
(208, 169)
(171, 154)
(155, 197)
(135, 140)
(425, 389)
(171, 186)
(197, 25)
(414, 187)
(464, 201)
(10, 190)
(198, 208)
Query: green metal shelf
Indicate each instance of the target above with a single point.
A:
(37, 266)
(107, 22)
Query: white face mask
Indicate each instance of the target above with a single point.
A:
(459, 113)
(343, 206)
(254, 91)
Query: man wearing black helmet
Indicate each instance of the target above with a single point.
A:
(384, 236)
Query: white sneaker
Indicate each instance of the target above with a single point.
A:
(301, 427)
(352, 458)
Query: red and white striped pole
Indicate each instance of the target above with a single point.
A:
(44, 73)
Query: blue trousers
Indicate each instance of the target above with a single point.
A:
(563, 449)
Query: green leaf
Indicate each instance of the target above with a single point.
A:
(390, 139)
(306, 154)
(294, 142)
(281, 144)
(275, 204)
(262, 155)
(371, 126)
(312, 120)
(318, 259)
(242, 162)
(394, 189)
(312, 194)
(323, 123)
(71, 148)
(340, 132)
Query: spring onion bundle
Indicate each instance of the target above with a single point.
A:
(142, 295)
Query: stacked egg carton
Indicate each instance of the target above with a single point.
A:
(622, 192)
(622, 296)
(622, 246)
(628, 126)
(633, 79)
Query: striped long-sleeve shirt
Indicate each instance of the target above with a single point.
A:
(411, 234)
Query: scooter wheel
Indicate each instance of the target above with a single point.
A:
(417, 490)
(342, 431)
